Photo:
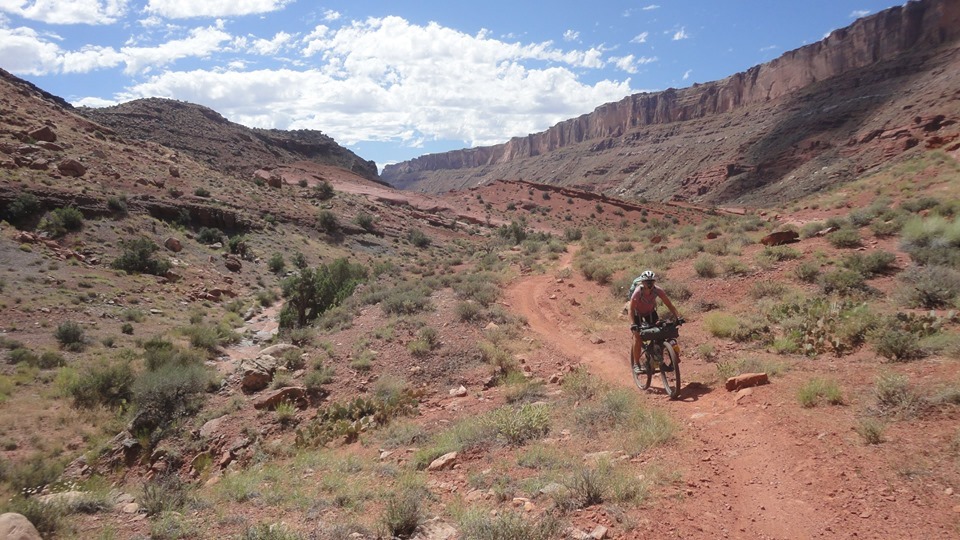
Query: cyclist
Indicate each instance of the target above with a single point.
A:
(643, 306)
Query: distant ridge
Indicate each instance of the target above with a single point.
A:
(742, 138)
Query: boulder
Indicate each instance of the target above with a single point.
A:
(292, 394)
(780, 238)
(233, 264)
(445, 461)
(17, 527)
(746, 380)
(278, 349)
(71, 167)
(44, 134)
(256, 374)
(212, 427)
(173, 244)
(174, 171)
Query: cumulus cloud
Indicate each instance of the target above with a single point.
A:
(630, 63)
(26, 52)
(640, 38)
(200, 43)
(331, 15)
(389, 80)
(571, 35)
(680, 34)
(269, 47)
(67, 11)
(184, 9)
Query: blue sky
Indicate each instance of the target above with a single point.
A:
(393, 80)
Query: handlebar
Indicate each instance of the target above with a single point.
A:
(639, 327)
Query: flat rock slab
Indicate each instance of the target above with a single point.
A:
(746, 380)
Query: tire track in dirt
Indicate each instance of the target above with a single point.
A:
(739, 466)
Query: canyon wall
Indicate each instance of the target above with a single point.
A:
(919, 27)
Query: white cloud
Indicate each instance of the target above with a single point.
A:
(571, 35)
(859, 13)
(200, 43)
(331, 15)
(389, 80)
(270, 47)
(183, 9)
(680, 34)
(630, 63)
(651, 7)
(687, 73)
(67, 11)
(768, 48)
(24, 52)
(91, 58)
(640, 38)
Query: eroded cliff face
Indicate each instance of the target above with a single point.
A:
(818, 97)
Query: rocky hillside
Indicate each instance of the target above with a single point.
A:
(231, 148)
(817, 115)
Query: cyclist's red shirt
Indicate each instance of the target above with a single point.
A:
(643, 302)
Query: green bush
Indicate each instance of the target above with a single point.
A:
(61, 221)
(365, 221)
(871, 264)
(311, 292)
(50, 360)
(166, 493)
(166, 394)
(323, 190)
(479, 524)
(842, 281)
(407, 299)
(117, 205)
(929, 287)
(481, 287)
(403, 513)
(896, 344)
(137, 257)
(894, 396)
(209, 235)
(933, 240)
(844, 238)
(705, 266)
(70, 335)
(871, 430)
(327, 221)
(201, 192)
(467, 311)
(728, 326)
(418, 238)
(819, 390)
(276, 264)
(104, 383)
(22, 209)
(48, 519)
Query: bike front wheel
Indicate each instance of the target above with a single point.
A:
(640, 369)
(670, 371)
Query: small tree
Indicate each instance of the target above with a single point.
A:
(137, 257)
(313, 291)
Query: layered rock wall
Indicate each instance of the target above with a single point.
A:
(924, 24)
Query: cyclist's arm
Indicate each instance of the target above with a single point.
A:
(666, 301)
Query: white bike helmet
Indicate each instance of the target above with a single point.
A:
(648, 275)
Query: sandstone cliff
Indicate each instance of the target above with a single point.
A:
(205, 135)
(808, 111)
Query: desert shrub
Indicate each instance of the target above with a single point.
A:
(311, 292)
(677, 291)
(117, 205)
(572, 234)
(732, 368)
(595, 270)
(893, 396)
(481, 287)
(365, 221)
(403, 513)
(818, 325)
(929, 287)
(61, 221)
(764, 289)
(773, 254)
(933, 240)
(870, 429)
(210, 336)
(209, 235)
(22, 209)
(70, 335)
(896, 344)
(49, 360)
(514, 233)
(478, 524)
(517, 425)
(133, 315)
(468, 311)
(810, 230)
(323, 190)
(842, 281)
(158, 352)
(167, 394)
(418, 238)
(735, 267)
(276, 264)
(23, 355)
(327, 221)
(871, 264)
(104, 383)
(407, 299)
(137, 257)
(166, 493)
(729, 326)
(201, 192)
(705, 266)
(844, 238)
(48, 519)
(818, 390)
(807, 271)
(919, 204)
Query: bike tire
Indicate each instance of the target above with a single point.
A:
(642, 380)
(670, 371)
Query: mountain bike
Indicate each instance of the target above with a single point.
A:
(660, 354)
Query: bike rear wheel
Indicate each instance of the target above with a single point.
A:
(670, 371)
(642, 380)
